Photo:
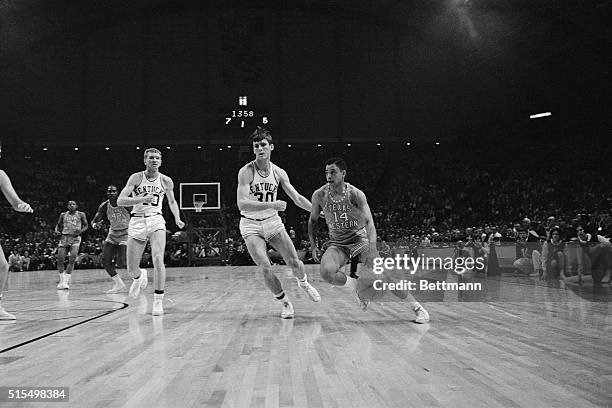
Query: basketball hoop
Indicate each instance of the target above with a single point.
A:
(198, 205)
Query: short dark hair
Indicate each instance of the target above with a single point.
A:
(152, 150)
(111, 186)
(338, 161)
(260, 134)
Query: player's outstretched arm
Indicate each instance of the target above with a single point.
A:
(361, 202)
(84, 223)
(174, 209)
(11, 195)
(60, 224)
(97, 219)
(313, 224)
(124, 199)
(296, 197)
(246, 203)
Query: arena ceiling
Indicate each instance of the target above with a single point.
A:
(537, 28)
(568, 40)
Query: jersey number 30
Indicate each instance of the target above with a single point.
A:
(260, 196)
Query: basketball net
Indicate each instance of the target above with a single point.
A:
(198, 205)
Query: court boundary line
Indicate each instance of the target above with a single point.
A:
(124, 305)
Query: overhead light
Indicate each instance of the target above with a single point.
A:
(76, 148)
(540, 115)
(199, 147)
(319, 145)
(407, 143)
(45, 149)
(107, 148)
(288, 145)
(348, 144)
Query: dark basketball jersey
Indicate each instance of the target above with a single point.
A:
(343, 218)
(72, 223)
(118, 217)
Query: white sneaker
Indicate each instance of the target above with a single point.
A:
(312, 293)
(287, 310)
(4, 315)
(158, 306)
(67, 281)
(138, 284)
(421, 314)
(118, 287)
(61, 285)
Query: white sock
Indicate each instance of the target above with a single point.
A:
(304, 279)
(159, 296)
(118, 279)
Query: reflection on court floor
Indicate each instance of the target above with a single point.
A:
(222, 343)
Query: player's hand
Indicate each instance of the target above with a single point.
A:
(280, 205)
(24, 208)
(179, 223)
(148, 199)
(96, 225)
(316, 254)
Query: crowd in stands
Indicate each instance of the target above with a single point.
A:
(423, 194)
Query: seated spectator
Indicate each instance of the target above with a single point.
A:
(596, 252)
(553, 256)
(15, 261)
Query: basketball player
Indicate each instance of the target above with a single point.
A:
(71, 225)
(258, 183)
(19, 206)
(352, 233)
(115, 243)
(148, 189)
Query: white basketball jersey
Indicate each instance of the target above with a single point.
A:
(262, 189)
(149, 187)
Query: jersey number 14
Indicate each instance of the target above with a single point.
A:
(343, 216)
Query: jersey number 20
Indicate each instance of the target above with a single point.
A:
(155, 202)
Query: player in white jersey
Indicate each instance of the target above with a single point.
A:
(114, 252)
(20, 206)
(258, 183)
(145, 191)
(70, 226)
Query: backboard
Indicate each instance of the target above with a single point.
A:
(208, 193)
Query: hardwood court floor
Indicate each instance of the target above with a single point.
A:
(223, 344)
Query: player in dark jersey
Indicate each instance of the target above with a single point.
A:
(20, 206)
(258, 183)
(352, 234)
(70, 226)
(113, 254)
